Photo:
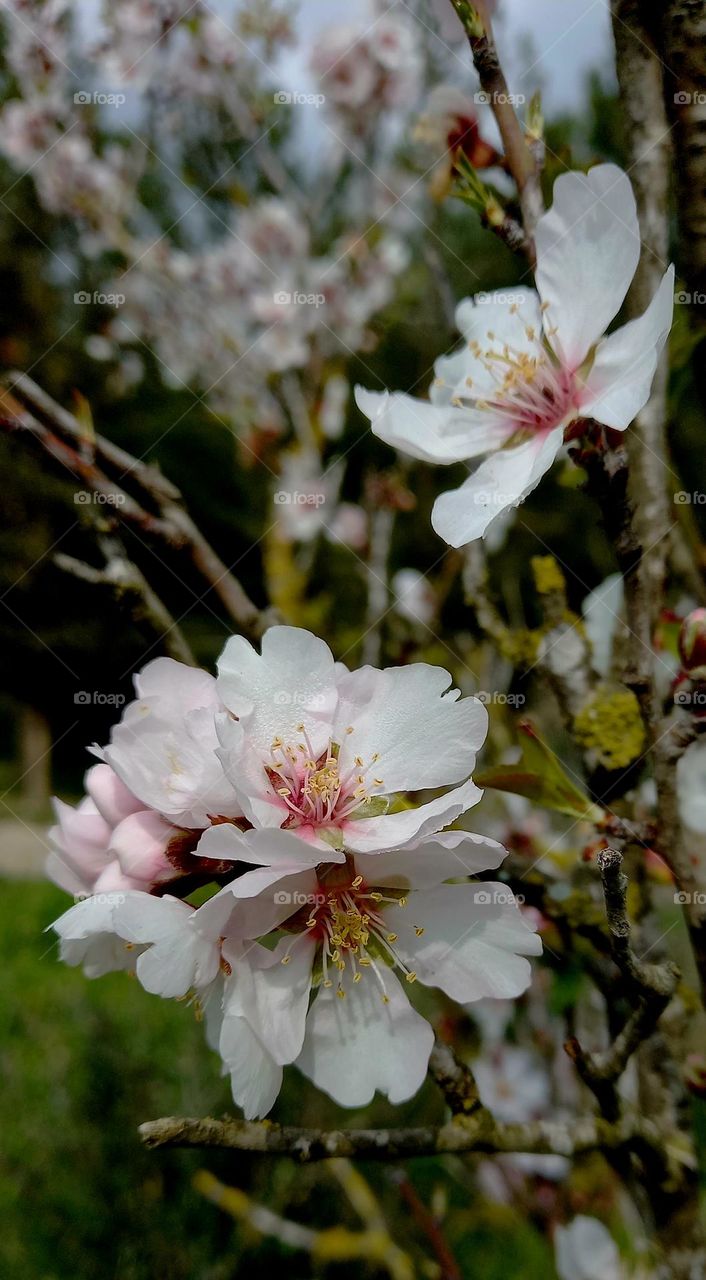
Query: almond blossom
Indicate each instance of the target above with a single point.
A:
(316, 748)
(356, 930)
(534, 362)
(359, 932)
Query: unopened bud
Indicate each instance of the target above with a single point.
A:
(692, 644)
(695, 1074)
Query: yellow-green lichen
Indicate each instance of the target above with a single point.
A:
(548, 577)
(609, 725)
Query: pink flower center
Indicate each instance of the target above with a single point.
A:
(347, 921)
(531, 390)
(311, 786)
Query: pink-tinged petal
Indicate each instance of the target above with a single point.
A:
(588, 246)
(176, 687)
(389, 729)
(474, 942)
(110, 795)
(392, 830)
(427, 863)
(431, 432)
(274, 996)
(179, 956)
(359, 1045)
(290, 684)
(620, 379)
(256, 903)
(282, 850)
(504, 480)
(256, 1078)
(139, 843)
(87, 938)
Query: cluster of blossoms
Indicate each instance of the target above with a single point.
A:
(534, 363)
(229, 312)
(364, 69)
(283, 785)
(257, 303)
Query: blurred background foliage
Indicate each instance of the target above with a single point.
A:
(83, 1063)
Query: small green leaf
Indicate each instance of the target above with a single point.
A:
(539, 776)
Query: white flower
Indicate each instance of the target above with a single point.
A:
(164, 748)
(325, 751)
(348, 926)
(585, 1250)
(532, 363)
(414, 596)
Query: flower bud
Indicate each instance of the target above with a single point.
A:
(692, 644)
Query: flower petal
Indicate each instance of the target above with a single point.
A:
(620, 379)
(359, 1044)
(504, 480)
(392, 830)
(431, 432)
(180, 955)
(588, 246)
(255, 1077)
(389, 729)
(290, 683)
(427, 863)
(272, 992)
(474, 940)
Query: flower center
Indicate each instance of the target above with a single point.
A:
(311, 786)
(348, 922)
(529, 389)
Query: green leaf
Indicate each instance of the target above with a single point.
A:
(539, 776)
